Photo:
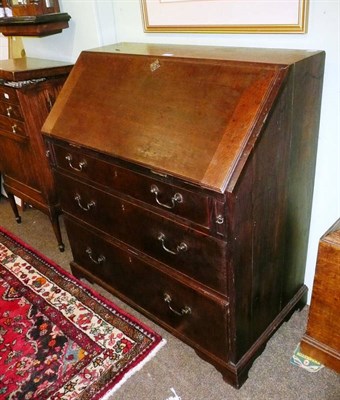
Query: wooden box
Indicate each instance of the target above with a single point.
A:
(186, 177)
(322, 338)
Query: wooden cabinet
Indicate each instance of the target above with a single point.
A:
(186, 178)
(28, 89)
(322, 338)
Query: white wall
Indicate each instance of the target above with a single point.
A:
(91, 25)
(99, 22)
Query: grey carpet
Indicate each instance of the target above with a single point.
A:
(176, 365)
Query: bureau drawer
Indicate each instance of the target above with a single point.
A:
(181, 202)
(11, 110)
(193, 253)
(8, 94)
(177, 305)
(12, 126)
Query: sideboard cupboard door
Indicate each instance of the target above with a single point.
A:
(186, 177)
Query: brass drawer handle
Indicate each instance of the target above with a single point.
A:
(8, 110)
(184, 311)
(80, 167)
(88, 206)
(100, 260)
(176, 198)
(181, 247)
(14, 128)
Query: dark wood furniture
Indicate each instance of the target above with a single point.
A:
(28, 89)
(34, 25)
(32, 18)
(322, 338)
(186, 178)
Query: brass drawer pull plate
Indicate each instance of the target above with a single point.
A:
(80, 167)
(14, 128)
(8, 111)
(181, 247)
(88, 206)
(184, 311)
(100, 260)
(176, 198)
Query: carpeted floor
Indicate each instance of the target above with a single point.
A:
(177, 369)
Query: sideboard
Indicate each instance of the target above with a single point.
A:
(28, 89)
(186, 177)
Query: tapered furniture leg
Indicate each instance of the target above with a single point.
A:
(56, 228)
(14, 207)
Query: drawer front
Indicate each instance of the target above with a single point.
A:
(179, 306)
(194, 254)
(11, 110)
(12, 126)
(8, 94)
(183, 203)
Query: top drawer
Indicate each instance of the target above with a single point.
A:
(184, 203)
(8, 94)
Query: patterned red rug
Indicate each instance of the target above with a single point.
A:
(59, 339)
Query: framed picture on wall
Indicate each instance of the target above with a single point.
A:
(225, 16)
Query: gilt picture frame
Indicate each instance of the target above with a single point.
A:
(225, 16)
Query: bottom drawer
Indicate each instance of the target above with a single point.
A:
(195, 315)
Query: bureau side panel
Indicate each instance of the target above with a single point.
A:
(306, 101)
(258, 208)
(270, 211)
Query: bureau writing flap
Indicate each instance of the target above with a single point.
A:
(190, 118)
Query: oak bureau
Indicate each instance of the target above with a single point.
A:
(186, 177)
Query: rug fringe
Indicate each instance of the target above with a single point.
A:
(137, 368)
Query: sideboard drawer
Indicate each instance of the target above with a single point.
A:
(190, 252)
(12, 126)
(11, 110)
(8, 94)
(177, 305)
(179, 201)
